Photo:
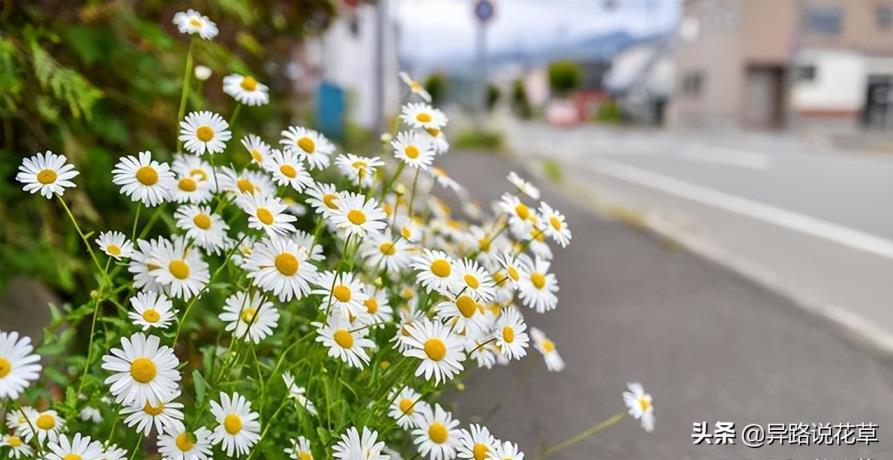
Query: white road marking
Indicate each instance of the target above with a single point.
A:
(783, 218)
(726, 156)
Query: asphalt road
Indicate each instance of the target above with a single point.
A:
(708, 344)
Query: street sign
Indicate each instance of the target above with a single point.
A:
(483, 9)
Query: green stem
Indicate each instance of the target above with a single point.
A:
(234, 116)
(584, 434)
(136, 220)
(387, 188)
(84, 239)
(415, 181)
(184, 93)
(136, 447)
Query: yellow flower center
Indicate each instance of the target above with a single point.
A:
(471, 281)
(466, 305)
(204, 133)
(47, 176)
(5, 367)
(481, 451)
(415, 86)
(249, 83)
(434, 132)
(187, 184)
(304, 455)
(342, 293)
(147, 175)
(151, 315)
(232, 423)
(438, 432)
(256, 156)
(343, 338)
(388, 248)
(484, 244)
(184, 442)
(113, 249)
(201, 173)
(330, 200)
(72, 457)
(248, 315)
(46, 422)
(306, 144)
(179, 269)
(435, 349)
(143, 370)
(356, 217)
(195, 22)
(245, 185)
(441, 268)
(288, 171)
(508, 334)
(423, 117)
(265, 216)
(411, 151)
(645, 404)
(153, 410)
(555, 222)
(513, 272)
(522, 211)
(406, 406)
(538, 280)
(14, 441)
(371, 305)
(287, 263)
(548, 346)
(202, 221)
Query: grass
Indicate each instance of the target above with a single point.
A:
(478, 140)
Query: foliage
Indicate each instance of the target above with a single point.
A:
(564, 77)
(609, 112)
(519, 101)
(436, 86)
(493, 95)
(473, 139)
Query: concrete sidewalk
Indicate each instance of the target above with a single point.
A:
(708, 344)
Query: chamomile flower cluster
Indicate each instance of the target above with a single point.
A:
(303, 303)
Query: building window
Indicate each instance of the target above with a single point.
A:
(692, 83)
(883, 16)
(806, 72)
(823, 20)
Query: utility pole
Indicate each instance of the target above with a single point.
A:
(381, 10)
(483, 11)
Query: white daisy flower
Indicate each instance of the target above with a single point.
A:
(143, 179)
(437, 138)
(151, 309)
(140, 265)
(288, 169)
(341, 293)
(524, 186)
(192, 22)
(353, 446)
(511, 265)
(444, 180)
(189, 188)
(414, 149)
(115, 245)
(385, 253)
(245, 89)
(403, 407)
(640, 405)
(238, 426)
(17, 446)
(419, 115)
(476, 443)
(249, 317)
(203, 132)
(309, 144)
(202, 173)
(47, 424)
(298, 393)
(78, 447)
(415, 86)
(46, 173)
(18, 365)
(343, 343)
(358, 215)
(142, 371)
(554, 224)
(281, 266)
(511, 336)
(267, 213)
(90, 414)
(474, 280)
(324, 198)
(506, 450)
(360, 170)
(436, 271)
(113, 452)
(537, 287)
(308, 241)
(437, 436)
(441, 352)
(521, 217)
(179, 268)
(208, 230)
(18, 420)
(166, 413)
(547, 347)
(179, 444)
(299, 450)
(409, 229)
(257, 148)
(378, 310)
(464, 314)
(246, 182)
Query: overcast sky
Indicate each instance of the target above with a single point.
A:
(433, 29)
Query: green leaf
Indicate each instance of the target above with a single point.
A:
(201, 386)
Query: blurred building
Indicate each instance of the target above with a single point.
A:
(641, 79)
(824, 64)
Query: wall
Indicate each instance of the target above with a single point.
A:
(838, 88)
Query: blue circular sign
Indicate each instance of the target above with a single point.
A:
(483, 9)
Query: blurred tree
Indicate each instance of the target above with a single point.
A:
(435, 84)
(97, 80)
(564, 77)
(493, 95)
(519, 102)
